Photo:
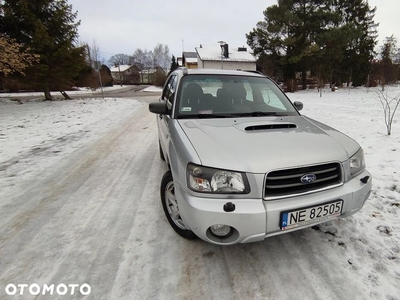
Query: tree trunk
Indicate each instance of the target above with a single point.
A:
(304, 79)
(65, 95)
(47, 95)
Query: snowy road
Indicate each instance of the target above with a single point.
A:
(95, 217)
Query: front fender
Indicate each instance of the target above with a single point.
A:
(180, 152)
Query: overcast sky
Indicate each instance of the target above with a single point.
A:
(121, 26)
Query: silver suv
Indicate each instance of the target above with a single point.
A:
(245, 165)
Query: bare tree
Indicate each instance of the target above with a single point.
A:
(143, 58)
(161, 56)
(389, 106)
(120, 59)
(93, 54)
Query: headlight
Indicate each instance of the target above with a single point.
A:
(209, 180)
(357, 162)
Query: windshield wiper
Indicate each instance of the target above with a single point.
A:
(205, 116)
(231, 115)
(263, 113)
(257, 114)
(235, 115)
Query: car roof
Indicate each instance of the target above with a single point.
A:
(185, 71)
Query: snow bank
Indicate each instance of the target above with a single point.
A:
(153, 89)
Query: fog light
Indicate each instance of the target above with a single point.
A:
(221, 230)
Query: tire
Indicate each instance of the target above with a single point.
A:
(161, 152)
(171, 208)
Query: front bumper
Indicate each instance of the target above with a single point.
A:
(255, 219)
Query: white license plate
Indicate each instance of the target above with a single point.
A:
(310, 215)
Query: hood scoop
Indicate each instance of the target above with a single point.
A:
(270, 126)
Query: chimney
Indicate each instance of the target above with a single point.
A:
(226, 51)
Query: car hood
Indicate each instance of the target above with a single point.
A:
(261, 144)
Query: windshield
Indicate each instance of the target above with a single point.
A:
(213, 96)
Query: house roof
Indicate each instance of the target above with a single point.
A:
(189, 54)
(152, 71)
(121, 68)
(213, 52)
(189, 57)
(148, 71)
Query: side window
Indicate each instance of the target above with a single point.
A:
(169, 91)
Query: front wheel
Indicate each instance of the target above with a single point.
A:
(171, 208)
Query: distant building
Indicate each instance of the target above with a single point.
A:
(189, 60)
(179, 60)
(125, 74)
(223, 57)
(149, 76)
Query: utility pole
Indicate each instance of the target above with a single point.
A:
(98, 69)
(119, 72)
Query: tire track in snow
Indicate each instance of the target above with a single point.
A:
(48, 186)
(72, 211)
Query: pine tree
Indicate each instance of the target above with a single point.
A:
(388, 68)
(359, 51)
(321, 36)
(288, 34)
(49, 28)
(174, 64)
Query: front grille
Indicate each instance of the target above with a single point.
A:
(284, 183)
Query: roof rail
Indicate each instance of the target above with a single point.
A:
(184, 70)
(256, 72)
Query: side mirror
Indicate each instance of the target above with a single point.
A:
(160, 108)
(298, 105)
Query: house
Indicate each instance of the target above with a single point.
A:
(149, 76)
(189, 60)
(179, 60)
(223, 57)
(125, 74)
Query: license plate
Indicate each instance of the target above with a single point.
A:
(310, 215)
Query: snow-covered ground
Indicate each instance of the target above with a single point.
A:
(51, 129)
(362, 251)
(78, 91)
(153, 89)
(370, 240)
